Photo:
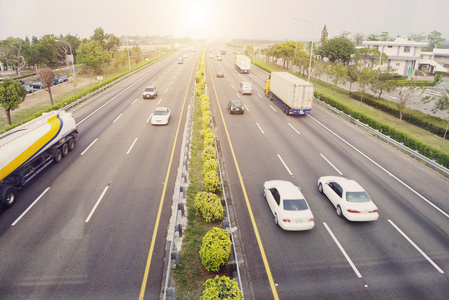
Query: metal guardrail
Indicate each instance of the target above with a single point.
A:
(433, 164)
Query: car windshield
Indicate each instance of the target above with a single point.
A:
(246, 84)
(237, 103)
(149, 89)
(295, 204)
(160, 112)
(357, 197)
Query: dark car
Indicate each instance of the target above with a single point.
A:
(36, 85)
(235, 106)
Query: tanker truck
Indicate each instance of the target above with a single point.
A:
(292, 94)
(28, 149)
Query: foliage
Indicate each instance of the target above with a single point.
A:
(215, 249)
(221, 288)
(434, 39)
(365, 75)
(12, 93)
(212, 181)
(210, 165)
(11, 52)
(441, 104)
(93, 56)
(336, 49)
(338, 73)
(209, 206)
(209, 153)
(48, 79)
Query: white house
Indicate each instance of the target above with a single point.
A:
(403, 55)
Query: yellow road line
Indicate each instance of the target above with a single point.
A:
(253, 221)
(161, 203)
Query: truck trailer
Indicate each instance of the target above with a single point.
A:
(242, 64)
(28, 149)
(292, 94)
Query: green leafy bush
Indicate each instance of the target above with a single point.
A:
(212, 181)
(215, 249)
(209, 206)
(221, 288)
(210, 165)
(206, 131)
(205, 121)
(209, 153)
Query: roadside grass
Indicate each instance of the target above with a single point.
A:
(342, 95)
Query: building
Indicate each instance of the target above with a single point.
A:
(403, 55)
(428, 64)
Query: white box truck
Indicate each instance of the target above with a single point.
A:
(31, 147)
(242, 64)
(292, 94)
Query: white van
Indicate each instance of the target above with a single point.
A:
(245, 88)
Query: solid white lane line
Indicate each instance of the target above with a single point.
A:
(129, 150)
(343, 251)
(89, 146)
(117, 118)
(32, 204)
(331, 164)
(260, 128)
(383, 169)
(294, 129)
(416, 247)
(285, 165)
(98, 202)
(272, 108)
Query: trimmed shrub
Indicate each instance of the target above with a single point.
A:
(212, 181)
(209, 153)
(209, 206)
(205, 121)
(221, 288)
(210, 165)
(215, 249)
(206, 131)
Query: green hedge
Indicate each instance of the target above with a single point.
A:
(430, 152)
(418, 118)
(221, 288)
(215, 249)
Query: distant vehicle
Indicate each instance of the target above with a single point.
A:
(218, 58)
(242, 64)
(211, 55)
(150, 92)
(180, 60)
(288, 205)
(349, 198)
(161, 116)
(245, 88)
(28, 149)
(235, 106)
(292, 94)
(185, 55)
(223, 52)
(220, 74)
(36, 84)
(29, 89)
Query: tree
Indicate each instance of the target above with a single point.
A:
(48, 79)
(286, 51)
(358, 38)
(11, 51)
(373, 37)
(93, 56)
(352, 75)
(108, 41)
(301, 60)
(434, 39)
(365, 75)
(136, 54)
(338, 74)
(12, 93)
(404, 94)
(386, 81)
(417, 37)
(337, 49)
(441, 104)
(120, 59)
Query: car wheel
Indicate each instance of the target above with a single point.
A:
(276, 220)
(65, 149)
(8, 196)
(338, 210)
(320, 188)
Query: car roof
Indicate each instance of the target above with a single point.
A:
(348, 184)
(286, 189)
(161, 108)
(150, 86)
(236, 101)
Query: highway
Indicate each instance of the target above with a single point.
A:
(94, 225)
(403, 255)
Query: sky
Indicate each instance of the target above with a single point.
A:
(223, 19)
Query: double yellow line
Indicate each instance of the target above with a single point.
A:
(256, 231)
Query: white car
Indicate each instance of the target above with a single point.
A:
(160, 116)
(289, 207)
(349, 198)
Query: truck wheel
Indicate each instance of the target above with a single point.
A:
(71, 144)
(8, 196)
(57, 155)
(65, 149)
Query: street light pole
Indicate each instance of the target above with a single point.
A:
(311, 47)
(71, 53)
